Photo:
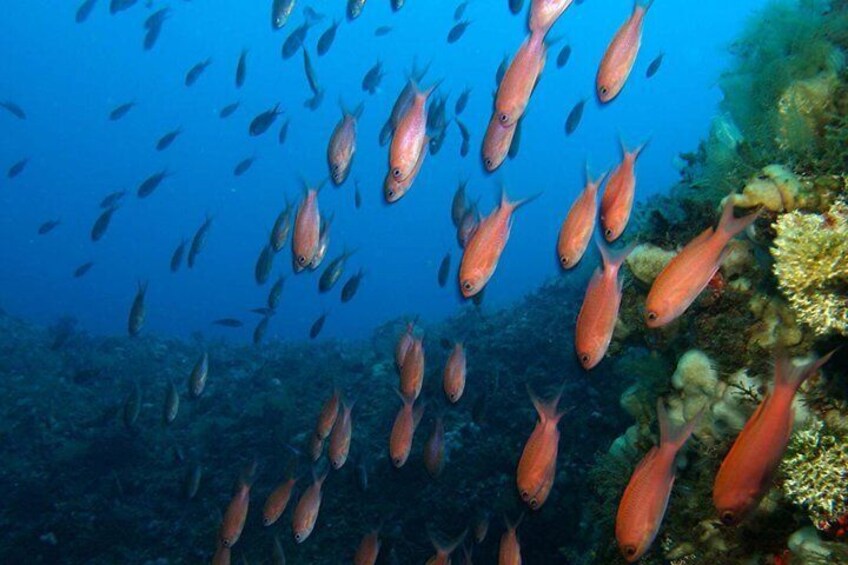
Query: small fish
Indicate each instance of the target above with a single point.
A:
(151, 36)
(457, 31)
(459, 11)
(280, 12)
(132, 407)
(316, 447)
(317, 326)
(275, 292)
(243, 166)
(537, 466)
(466, 138)
(277, 501)
(579, 225)
(102, 223)
(563, 56)
(509, 551)
(339, 446)
(112, 199)
(264, 264)
(520, 79)
(306, 511)
(138, 311)
(198, 376)
(312, 76)
(747, 471)
(282, 228)
(481, 527)
(619, 193)
(468, 226)
(462, 101)
(307, 230)
(545, 13)
(236, 512)
(412, 370)
(194, 73)
(198, 242)
(83, 269)
(454, 376)
(48, 226)
(644, 502)
(166, 140)
(177, 256)
(434, 449)
(515, 6)
(116, 6)
(369, 549)
(228, 110)
(372, 79)
(260, 330)
(172, 404)
(157, 18)
(342, 146)
(497, 143)
(120, 111)
(351, 286)
(688, 273)
(228, 323)
(241, 69)
(264, 120)
(295, 40)
(333, 272)
(620, 55)
(403, 430)
(357, 196)
(284, 132)
(574, 117)
(13, 109)
(84, 10)
(444, 270)
(459, 203)
(323, 243)
(403, 344)
(654, 66)
(354, 8)
(382, 31)
(191, 484)
(327, 38)
(151, 183)
(397, 5)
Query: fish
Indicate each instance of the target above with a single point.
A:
(315, 102)
(191, 484)
(354, 9)
(198, 376)
(509, 550)
(497, 143)
(459, 11)
(282, 228)
(198, 241)
(177, 256)
(264, 120)
(466, 138)
(372, 79)
(194, 73)
(264, 311)
(394, 190)
(403, 344)
(236, 513)
(483, 251)
(537, 466)
(172, 404)
(260, 330)
(157, 18)
(327, 38)
(13, 109)
(357, 196)
(563, 56)
(382, 31)
(339, 446)
(444, 270)
(410, 137)
(166, 140)
(317, 326)
(100, 226)
(687, 274)
(17, 168)
(120, 111)
(243, 166)
(112, 199)
(264, 264)
(228, 323)
(520, 79)
(333, 272)
(307, 230)
(434, 449)
(403, 430)
(457, 31)
(132, 407)
(342, 146)
(468, 226)
(275, 292)
(84, 10)
(351, 286)
(241, 68)
(316, 447)
(116, 6)
(747, 472)
(48, 226)
(151, 183)
(481, 526)
(545, 13)
(462, 101)
(222, 556)
(138, 311)
(369, 549)
(599, 312)
(515, 6)
(312, 79)
(295, 40)
(83, 269)
(515, 146)
(621, 53)
(397, 5)
(617, 201)
(454, 375)
(579, 225)
(284, 132)
(412, 370)
(323, 243)
(306, 511)
(280, 12)
(151, 36)
(654, 66)
(228, 110)
(277, 501)
(574, 117)
(279, 556)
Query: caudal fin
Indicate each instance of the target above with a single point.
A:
(673, 436)
(613, 258)
(729, 226)
(788, 375)
(514, 205)
(449, 547)
(547, 410)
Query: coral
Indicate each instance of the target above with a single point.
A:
(647, 260)
(807, 547)
(775, 188)
(816, 470)
(776, 324)
(811, 266)
(803, 109)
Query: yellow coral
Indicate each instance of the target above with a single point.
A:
(775, 188)
(811, 266)
(803, 109)
(646, 261)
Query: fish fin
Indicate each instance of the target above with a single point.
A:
(613, 258)
(547, 410)
(448, 548)
(645, 5)
(729, 225)
(789, 376)
(673, 436)
(516, 204)
(513, 525)
(634, 154)
(248, 474)
(417, 414)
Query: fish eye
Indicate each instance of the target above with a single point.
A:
(503, 117)
(565, 260)
(396, 173)
(629, 551)
(297, 538)
(488, 163)
(391, 193)
(266, 521)
(727, 518)
(226, 543)
(525, 495)
(301, 259)
(398, 462)
(584, 358)
(534, 503)
(603, 90)
(652, 315)
(608, 233)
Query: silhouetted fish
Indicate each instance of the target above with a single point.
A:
(327, 38)
(17, 168)
(120, 111)
(116, 6)
(166, 140)
(466, 138)
(198, 241)
(574, 117)
(351, 286)
(459, 204)
(151, 36)
(228, 110)
(317, 326)
(382, 31)
(372, 79)
(333, 272)
(459, 11)
(84, 10)
(177, 256)
(48, 227)
(295, 39)
(282, 228)
(132, 407)
(241, 69)
(276, 292)
(264, 264)
(112, 198)
(194, 73)
(138, 311)
(397, 5)
(259, 331)
(563, 56)
(515, 6)
(462, 101)
(151, 183)
(102, 223)
(280, 12)
(264, 120)
(228, 323)
(457, 30)
(243, 166)
(311, 75)
(354, 8)
(284, 132)
(357, 197)
(654, 66)
(83, 269)
(13, 109)
(444, 270)
(157, 18)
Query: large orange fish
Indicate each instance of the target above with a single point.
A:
(434, 449)
(409, 139)
(454, 377)
(306, 511)
(277, 501)
(404, 343)
(509, 552)
(579, 224)
(747, 471)
(545, 13)
(342, 145)
(406, 422)
(688, 273)
(443, 551)
(496, 143)
(236, 512)
(307, 230)
(412, 372)
(369, 549)
(328, 415)
(599, 312)
(621, 54)
(537, 466)
(520, 79)
(483, 251)
(645, 499)
(339, 447)
(617, 201)
(393, 188)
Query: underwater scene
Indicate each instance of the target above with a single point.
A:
(424, 281)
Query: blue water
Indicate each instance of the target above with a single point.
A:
(68, 77)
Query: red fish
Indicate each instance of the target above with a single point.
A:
(520, 79)
(306, 512)
(236, 513)
(434, 449)
(340, 437)
(599, 312)
(747, 472)
(328, 415)
(394, 188)
(412, 372)
(454, 377)
(645, 499)
(577, 229)
(545, 13)
(342, 146)
(688, 273)
(404, 343)
(277, 501)
(621, 54)
(617, 201)
(307, 230)
(481, 255)
(409, 139)
(509, 552)
(496, 143)
(369, 549)
(406, 422)
(537, 466)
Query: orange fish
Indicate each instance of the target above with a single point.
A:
(412, 372)
(369, 549)
(537, 466)
(342, 145)
(409, 140)
(599, 312)
(404, 343)
(406, 422)
(340, 437)
(481, 255)
(306, 512)
(577, 229)
(509, 552)
(394, 188)
(434, 449)
(328, 415)
(520, 79)
(307, 230)
(454, 377)
(645, 499)
(621, 54)
(443, 552)
(496, 143)
(236, 513)
(545, 13)
(617, 201)
(747, 471)
(277, 501)
(688, 273)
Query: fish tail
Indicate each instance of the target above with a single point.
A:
(787, 375)
(449, 547)
(729, 225)
(516, 204)
(248, 474)
(634, 154)
(613, 258)
(510, 525)
(645, 5)
(594, 183)
(547, 410)
(674, 436)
